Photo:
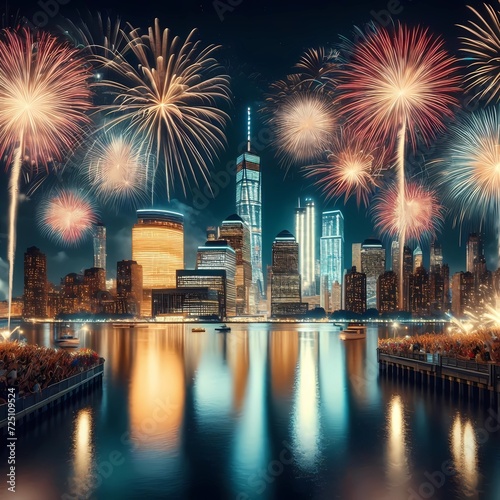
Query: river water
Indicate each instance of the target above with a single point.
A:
(266, 411)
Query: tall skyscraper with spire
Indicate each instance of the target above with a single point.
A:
(99, 237)
(305, 229)
(249, 204)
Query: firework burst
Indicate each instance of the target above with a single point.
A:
(353, 167)
(67, 217)
(117, 168)
(482, 46)
(44, 95)
(172, 98)
(417, 214)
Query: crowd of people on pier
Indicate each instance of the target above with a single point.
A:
(30, 368)
(481, 345)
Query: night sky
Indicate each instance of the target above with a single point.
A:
(261, 41)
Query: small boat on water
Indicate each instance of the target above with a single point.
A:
(354, 331)
(67, 340)
(198, 329)
(223, 328)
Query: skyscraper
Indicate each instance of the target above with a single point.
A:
(99, 237)
(356, 256)
(331, 253)
(285, 278)
(387, 292)
(395, 256)
(419, 292)
(418, 258)
(436, 257)
(218, 254)
(355, 291)
(236, 232)
(249, 205)
(407, 270)
(462, 293)
(372, 265)
(305, 229)
(94, 280)
(158, 246)
(35, 284)
(473, 250)
(129, 287)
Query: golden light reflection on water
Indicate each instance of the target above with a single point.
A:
(239, 361)
(157, 390)
(464, 451)
(83, 449)
(397, 466)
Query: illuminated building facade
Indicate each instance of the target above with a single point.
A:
(212, 279)
(395, 256)
(473, 251)
(407, 270)
(158, 246)
(387, 292)
(99, 238)
(129, 287)
(437, 294)
(35, 284)
(218, 254)
(418, 258)
(236, 232)
(94, 280)
(54, 301)
(75, 294)
(436, 258)
(419, 292)
(305, 230)
(355, 291)
(336, 302)
(285, 278)
(372, 266)
(249, 206)
(189, 302)
(462, 293)
(331, 253)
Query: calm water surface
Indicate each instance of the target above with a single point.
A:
(266, 411)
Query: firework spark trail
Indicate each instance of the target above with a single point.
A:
(482, 46)
(44, 95)
(172, 98)
(397, 84)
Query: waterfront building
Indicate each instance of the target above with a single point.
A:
(331, 254)
(54, 300)
(387, 292)
(336, 302)
(249, 207)
(212, 279)
(355, 291)
(372, 265)
(158, 246)
(99, 240)
(407, 270)
(75, 295)
(305, 230)
(236, 232)
(218, 254)
(129, 287)
(285, 279)
(437, 290)
(462, 293)
(473, 251)
(419, 292)
(35, 283)
(94, 280)
(189, 302)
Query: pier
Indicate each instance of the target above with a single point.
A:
(462, 378)
(32, 405)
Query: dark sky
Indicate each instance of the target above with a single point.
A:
(261, 41)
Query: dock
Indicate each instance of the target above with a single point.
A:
(465, 379)
(56, 394)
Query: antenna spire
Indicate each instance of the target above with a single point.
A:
(249, 122)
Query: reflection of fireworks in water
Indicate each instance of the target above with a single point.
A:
(482, 46)
(305, 125)
(43, 97)
(418, 216)
(352, 168)
(67, 217)
(117, 169)
(172, 98)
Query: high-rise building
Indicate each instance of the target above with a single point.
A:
(99, 237)
(75, 294)
(355, 291)
(212, 233)
(336, 302)
(94, 280)
(129, 287)
(218, 254)
(407, 270)
(483, 284)
(249, 206)
(331, 254)
(158, 246)
(473, 250)
(445, 272)
(305, 229)
(372, 265)
(419, 292)
(387, 292)
(436, 259)
(236, 232)
(437, 290)
(462, 293)
(356, 256)
(285, 279)
(186, 302)
(35, 284)
(395, 257)
(418, 258)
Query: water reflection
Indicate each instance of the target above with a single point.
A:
(83, 450)
(464, 452)
(305, 419)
